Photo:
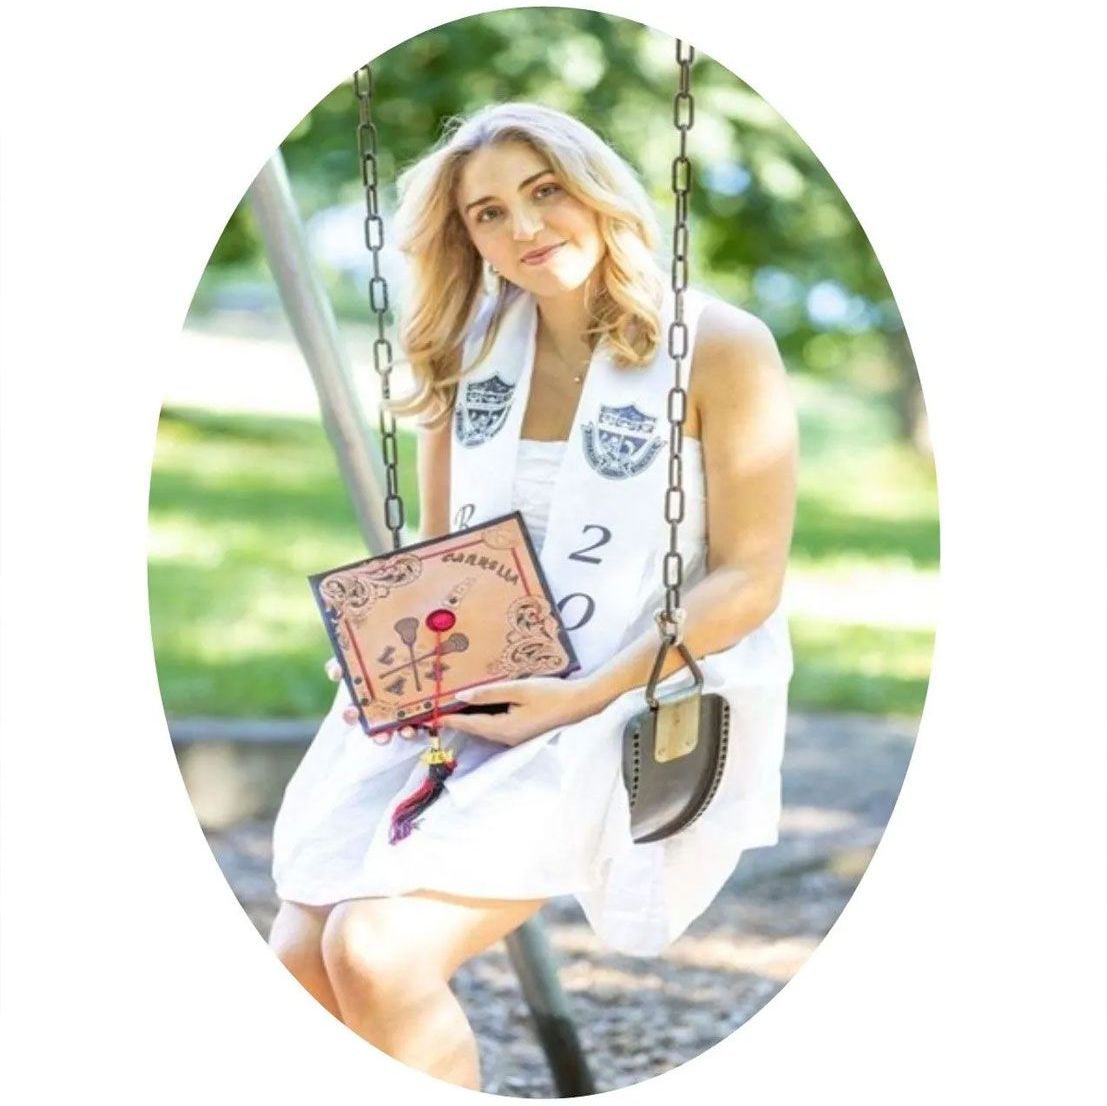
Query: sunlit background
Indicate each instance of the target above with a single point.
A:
(246, 500)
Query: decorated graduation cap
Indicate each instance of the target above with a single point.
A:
(413, 627)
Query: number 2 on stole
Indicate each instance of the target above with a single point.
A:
(583, 555)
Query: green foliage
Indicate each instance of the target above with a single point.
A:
(239, 241)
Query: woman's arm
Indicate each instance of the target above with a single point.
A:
(739, 389)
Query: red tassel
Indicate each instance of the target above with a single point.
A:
(405, 814)
(441, 762)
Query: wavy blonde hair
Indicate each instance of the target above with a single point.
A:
(446, 272)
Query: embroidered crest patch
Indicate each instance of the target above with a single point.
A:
(621, 442)
(483, 411)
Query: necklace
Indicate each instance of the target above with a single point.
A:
(580, 371)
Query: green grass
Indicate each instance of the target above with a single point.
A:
(864, 497)
(242, 511)
(878, 670)
(244, 508)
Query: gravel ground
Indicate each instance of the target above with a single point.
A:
(638, 1017)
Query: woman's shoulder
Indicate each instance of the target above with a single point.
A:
(731, 340)
(723, 328)
(734, 354)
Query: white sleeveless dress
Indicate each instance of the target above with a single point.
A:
(554, 828)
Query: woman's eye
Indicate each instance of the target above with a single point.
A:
(541, 193)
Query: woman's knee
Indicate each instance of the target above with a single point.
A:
(408, 941)
(364, 946)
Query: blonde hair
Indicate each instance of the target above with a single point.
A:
(446, 271)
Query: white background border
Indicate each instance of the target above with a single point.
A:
(968, 139)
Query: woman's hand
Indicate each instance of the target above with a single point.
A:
(349, 713)
(538, 704)
(334, 672)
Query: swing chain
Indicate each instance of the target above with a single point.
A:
(670, 619)
(378, 298)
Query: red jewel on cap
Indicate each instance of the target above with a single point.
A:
(441, 620)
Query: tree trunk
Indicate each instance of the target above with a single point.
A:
(914, 426)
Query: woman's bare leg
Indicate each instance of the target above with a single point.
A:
(389, 961)
(296, 937)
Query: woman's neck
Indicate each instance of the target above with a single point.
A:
(564, 320)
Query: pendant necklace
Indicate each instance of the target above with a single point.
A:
(581, 371)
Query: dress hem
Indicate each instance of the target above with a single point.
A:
(333, 898)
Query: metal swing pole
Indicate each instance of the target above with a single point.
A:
(312, 320)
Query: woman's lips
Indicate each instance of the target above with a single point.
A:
(538, 258)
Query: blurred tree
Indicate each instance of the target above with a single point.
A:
(771, 230)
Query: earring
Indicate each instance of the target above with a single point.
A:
(492, 279)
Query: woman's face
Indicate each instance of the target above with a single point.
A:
(514, 206)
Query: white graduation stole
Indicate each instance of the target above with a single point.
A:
(606, 517)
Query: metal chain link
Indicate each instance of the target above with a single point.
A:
(378, 298)
(670, 619)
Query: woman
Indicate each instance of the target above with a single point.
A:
(549, 394)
